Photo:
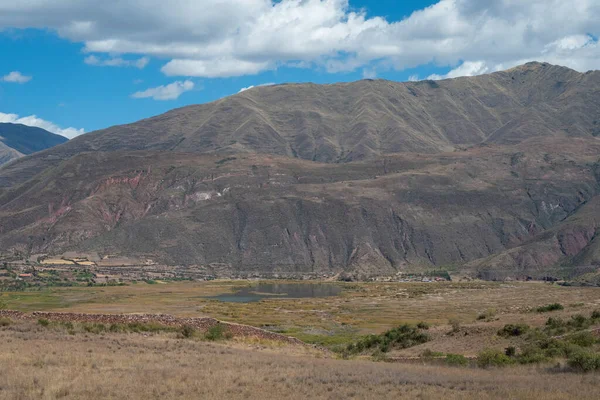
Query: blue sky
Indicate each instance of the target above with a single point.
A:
(75, 65)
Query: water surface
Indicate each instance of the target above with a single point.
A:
(280, 291)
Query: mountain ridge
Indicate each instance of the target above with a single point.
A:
(19, 140)
(371, 177)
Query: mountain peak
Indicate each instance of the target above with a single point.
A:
(25, 139)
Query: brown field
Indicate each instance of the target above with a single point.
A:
(41, 363)
(50, 363)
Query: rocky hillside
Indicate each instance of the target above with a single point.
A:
(498, 173)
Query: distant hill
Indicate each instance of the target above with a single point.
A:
(498, 174)
(18, 140)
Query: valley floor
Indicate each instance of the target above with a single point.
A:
(50, 359)
(38, 363)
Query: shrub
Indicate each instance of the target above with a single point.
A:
(583, 339)
(596, 314)
(43, 322)
(555, 322)
(402, 337)
(513, 330)
(456, 360)
(510, 351)
(428, 353)
(532, 355)
(187, 331)
(94, 328)
(578, 321)
(216, 332)
(550, 307)
(493, 358)
(423, 325)
(5, 322)
(584, 361)
(486, 315)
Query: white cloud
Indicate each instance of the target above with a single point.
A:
(468, 68)
(253, 86)
(221, 38)
(369, 73)
(33, 120)
(413, 78)
(218, 68)
(15, 77)
(116, 62)
(166, 92)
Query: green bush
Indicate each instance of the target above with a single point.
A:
(550, 307)
(216, 332)
(94, 328)
(428, 353)
(43, 322)
(493, 358)
(513, 330)
(584, 361)
(456, 360)
(5, 322)
(532, 355)
(423, 325)
(596, 314)
(555, 322)
(582, 339)
(402, 337)
(578, 321)
(187, 331)
(510, 351)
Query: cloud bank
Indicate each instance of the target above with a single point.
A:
(225, 38)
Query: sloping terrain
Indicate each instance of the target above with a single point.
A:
(497, 173)
(17, 140)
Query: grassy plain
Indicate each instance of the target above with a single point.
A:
(362, 308)
(47, 362)
(42, 363)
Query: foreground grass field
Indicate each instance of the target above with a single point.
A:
(43, 363)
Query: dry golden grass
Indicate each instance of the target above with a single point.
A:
(41, 363)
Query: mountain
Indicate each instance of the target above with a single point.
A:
(499, 174)
(17, 140)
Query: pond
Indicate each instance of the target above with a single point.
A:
(279, 291)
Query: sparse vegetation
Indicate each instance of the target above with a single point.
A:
(493, 358)
(402, 337)
(188, 331)
(513, 330)
(216, 332)
(118, 366)
(456, 360)
(487, 315)
(550, 307)
(584, 360)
